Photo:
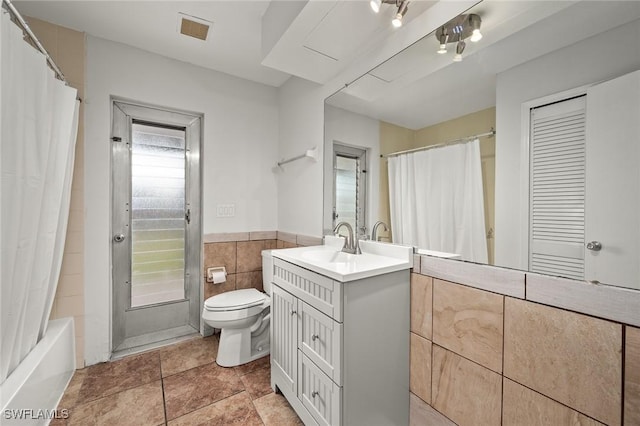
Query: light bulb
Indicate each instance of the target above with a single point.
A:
(443, 49)
(402, 10)
(476, 35)
(457, 57)
(397, 21)
(375, 5)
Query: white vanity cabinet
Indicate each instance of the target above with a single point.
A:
(340, 351)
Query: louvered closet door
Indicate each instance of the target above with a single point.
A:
(557, 189)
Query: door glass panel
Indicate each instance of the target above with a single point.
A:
(157, 215)
(346, 185)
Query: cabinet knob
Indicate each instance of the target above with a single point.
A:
(294, 312)
(314, 394)
(315, 337)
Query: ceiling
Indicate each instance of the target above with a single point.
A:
(418, 88)
(233, 46)
(264, 41)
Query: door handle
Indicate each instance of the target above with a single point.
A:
(118, 238)
(594, 245)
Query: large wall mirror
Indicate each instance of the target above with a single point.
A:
(520, 149)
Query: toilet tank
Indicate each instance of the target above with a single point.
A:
(267, 270)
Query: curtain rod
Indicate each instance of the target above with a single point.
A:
(20, 20)
(489, 134)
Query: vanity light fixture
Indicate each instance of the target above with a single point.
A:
(375, 5)
(402, 5)
(402, 10)
(457, 31)
(443, 43)
(459, 49)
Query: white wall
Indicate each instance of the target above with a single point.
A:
(349, 128)
(300, 182)
(602, 57)
(240, 149)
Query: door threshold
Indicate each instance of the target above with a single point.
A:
(158, 339)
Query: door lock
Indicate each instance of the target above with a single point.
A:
(594, 245)
(118, 238)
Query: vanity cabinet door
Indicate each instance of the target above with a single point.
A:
(320, 340)
(318, 393)
(284, 337)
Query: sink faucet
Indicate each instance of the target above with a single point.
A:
(374, 231)
(351, 245)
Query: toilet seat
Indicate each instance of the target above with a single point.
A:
(235, 300)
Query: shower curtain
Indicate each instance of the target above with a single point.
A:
(436, 200)
(38, 126)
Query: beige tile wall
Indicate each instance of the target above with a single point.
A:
(469, 322)
(241, 259)
(571, 358)
(501, 360)
(632, 377)
(522, 406)
(67, 48)
(464, 391)
(241, 255)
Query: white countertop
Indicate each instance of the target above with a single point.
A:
(376, 259)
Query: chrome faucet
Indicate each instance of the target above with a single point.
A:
(351, 245)
(374, 231)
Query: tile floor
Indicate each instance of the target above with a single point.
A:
(176, 385)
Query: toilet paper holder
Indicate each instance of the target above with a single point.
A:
(216, 274)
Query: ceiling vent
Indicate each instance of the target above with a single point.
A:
(193, 27)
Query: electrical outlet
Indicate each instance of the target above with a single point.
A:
(226, 210)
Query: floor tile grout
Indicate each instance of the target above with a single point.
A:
(247, 381)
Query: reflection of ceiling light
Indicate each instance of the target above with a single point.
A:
(457, 31)
(459, 49)
(402, 10)
(443, 43)
(474, 22)
(402, 5)
(476, 36)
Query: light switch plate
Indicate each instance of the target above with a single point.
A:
(226, 210)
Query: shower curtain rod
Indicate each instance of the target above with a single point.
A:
(488, 134)
(20, 20)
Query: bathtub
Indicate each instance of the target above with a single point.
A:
(31, 393)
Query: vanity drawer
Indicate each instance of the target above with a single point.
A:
(318, 393)
(320, 339)
(319, 291)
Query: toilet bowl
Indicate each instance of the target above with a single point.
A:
(243, 316)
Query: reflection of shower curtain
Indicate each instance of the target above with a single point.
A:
(436, 200)
(38, 122)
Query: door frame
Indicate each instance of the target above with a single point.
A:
(194, 125)
(522, 209)
(361, 155)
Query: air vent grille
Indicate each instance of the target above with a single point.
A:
(194, 27)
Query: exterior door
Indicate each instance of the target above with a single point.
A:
(155, 224)
(613, 176)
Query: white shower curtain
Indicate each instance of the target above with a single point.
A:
(436, 200)
(38, 126)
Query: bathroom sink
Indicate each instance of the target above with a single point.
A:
(328, 260)
(329, 256)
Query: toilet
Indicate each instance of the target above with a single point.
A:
(243, 316)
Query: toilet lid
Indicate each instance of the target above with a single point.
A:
(233, 300)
